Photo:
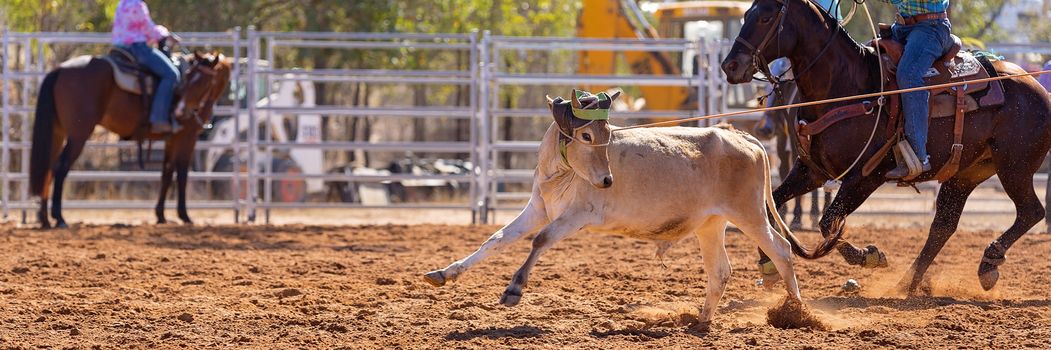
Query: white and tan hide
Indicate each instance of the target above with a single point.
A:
(661, 184)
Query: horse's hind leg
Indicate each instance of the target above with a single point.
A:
(951, 199)
(1018, 183)
(70, 153)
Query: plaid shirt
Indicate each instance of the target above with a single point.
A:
(918, 7)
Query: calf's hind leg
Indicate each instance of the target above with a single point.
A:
(774, 245)
(530, 220)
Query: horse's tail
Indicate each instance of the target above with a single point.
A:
(43, 134)
(771, 208)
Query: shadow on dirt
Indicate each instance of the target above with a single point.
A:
(227, 237)
(518, 332)
(918, 303)
(642, 334)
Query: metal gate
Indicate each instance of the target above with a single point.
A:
(493, 76)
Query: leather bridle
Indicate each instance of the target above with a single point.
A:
(211, 96)
(762, 65)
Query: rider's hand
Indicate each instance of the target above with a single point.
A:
(174, 38)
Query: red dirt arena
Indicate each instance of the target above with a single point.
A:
(315, 287)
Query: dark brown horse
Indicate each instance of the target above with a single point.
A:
(1009, 141)
(73, 100)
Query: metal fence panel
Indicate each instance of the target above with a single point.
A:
(486, 76)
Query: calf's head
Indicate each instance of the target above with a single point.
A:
(583, 125)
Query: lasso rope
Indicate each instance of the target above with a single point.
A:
(880, 103)
(832, 100)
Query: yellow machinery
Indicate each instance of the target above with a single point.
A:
(624, 19)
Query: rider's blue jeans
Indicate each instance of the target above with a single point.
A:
(924, 42)
(153, 60)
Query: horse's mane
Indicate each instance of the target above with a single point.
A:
(834, 23)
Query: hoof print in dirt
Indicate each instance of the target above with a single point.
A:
(185, 317)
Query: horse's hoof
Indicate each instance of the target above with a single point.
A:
(61, 224)
(510, 298)
(988, 277)
(161, 221)
(874, 258)
(187, 222)
(435, 278)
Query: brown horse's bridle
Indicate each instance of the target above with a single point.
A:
(762, 65)
(212, 96)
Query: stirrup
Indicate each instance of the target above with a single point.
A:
(904, 155)
(911, 160)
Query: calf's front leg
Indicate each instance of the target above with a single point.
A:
(559, 229)
(530, 220)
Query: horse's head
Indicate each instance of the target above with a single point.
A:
(583, 123)
(203, 83)
(771, 30)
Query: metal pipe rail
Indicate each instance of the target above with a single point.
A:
(264, 45)
(482, 75)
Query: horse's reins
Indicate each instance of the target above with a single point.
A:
(209, 71)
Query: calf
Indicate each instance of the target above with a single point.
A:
(657, 184)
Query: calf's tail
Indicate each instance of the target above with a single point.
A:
(771, 207)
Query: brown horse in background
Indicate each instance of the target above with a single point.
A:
(73, 100)
(1009, 141)
(774, 125)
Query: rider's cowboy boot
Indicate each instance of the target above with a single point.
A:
(162, 128)
(903, 170)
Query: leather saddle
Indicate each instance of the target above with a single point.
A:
(128, 74)
(954, 66)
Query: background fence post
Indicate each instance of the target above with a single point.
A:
(4, 100)
(253, 131)
(484, 131)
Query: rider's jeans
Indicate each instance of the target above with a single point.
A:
(924, 42)
(163, 67)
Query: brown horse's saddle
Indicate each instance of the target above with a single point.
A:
(954, 66)
(127, 72)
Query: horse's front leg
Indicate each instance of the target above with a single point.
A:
(182, 169)
(570, 222)
(166, 180)
(951, 199)
(854, 191)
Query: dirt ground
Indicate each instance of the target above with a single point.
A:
(308, 287)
